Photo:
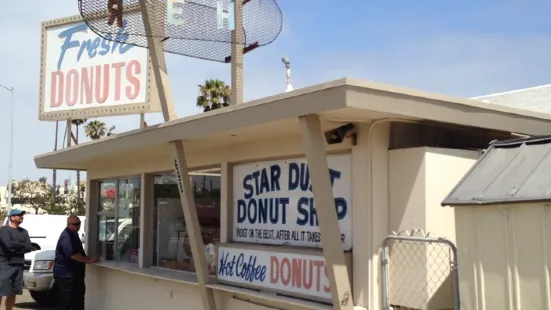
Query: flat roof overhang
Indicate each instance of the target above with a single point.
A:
(337, 102)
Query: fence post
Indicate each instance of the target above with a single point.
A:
(384, 280)
(455, 277)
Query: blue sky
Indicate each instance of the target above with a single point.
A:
(465, 48)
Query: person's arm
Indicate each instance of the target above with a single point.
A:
(11, 245)
(70, 250)
(28, 247)
(79, 257)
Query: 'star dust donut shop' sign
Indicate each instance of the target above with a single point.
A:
(82, 72)
(297, 274)
(274, 204)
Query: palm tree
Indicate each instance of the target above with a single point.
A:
(77, 123)
(97, 129)
(213, 94)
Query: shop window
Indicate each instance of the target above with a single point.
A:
(119, 220)
(172, 243)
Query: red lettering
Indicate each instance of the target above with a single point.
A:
(89, 85)
(57, 88)
(101, 98)
(326, 288)
(307, 276)
(318, 264)
(274, 269)
(118, 68)
(71, 88)
(134, 67)
(297, 272)
(285, 266)
(86, 85)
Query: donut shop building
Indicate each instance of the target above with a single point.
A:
(392, 153)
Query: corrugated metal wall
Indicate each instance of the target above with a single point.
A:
(504, 254)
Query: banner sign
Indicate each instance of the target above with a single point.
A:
(273, 202)
(297, 274)
(84, 75)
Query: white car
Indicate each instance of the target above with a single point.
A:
(38, 277)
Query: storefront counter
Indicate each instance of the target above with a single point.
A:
(129, 287)
(152, 272)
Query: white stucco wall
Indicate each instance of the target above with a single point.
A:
(420, 178)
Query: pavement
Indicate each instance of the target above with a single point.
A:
(26, 302)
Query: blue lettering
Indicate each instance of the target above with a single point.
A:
(265, 181)
(275, 174)
(334, 175)
(299, 177)
(246, 270)
(105, 45)
(255, 176)
(91, 46)
(293, 176)
(263, 210)
(307, 211)
(247, 187)
(241, 210)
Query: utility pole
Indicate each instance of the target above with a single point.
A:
(10, 160)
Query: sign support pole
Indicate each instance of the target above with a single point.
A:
(69, 132)
(155, 33)
(237, 54)
(314, 144)
(142, 120)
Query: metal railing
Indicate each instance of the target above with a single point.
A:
(419, 272)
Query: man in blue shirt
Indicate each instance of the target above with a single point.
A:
(69, 267)
(14, 243)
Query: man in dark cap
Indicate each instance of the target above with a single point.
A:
(69, 267)
(14, 243)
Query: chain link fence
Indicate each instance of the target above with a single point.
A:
(419, 272)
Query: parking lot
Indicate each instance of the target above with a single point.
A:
(26, 302)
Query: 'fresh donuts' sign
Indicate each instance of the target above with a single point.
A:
(83, 73)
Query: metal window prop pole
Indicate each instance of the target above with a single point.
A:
(10, 159)
(155, 33)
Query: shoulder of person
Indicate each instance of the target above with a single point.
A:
(64, 234)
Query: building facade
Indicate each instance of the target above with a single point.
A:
(392, 155)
